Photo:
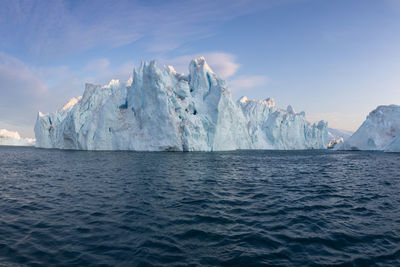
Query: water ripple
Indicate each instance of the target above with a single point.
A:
(241, 208)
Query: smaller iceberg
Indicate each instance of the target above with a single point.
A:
(379, 132)
(337, 136)
(9, 138)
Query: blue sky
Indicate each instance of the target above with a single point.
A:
(335, 59)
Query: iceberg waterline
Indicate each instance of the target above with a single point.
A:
(162, 110)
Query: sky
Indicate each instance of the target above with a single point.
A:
(336, 60)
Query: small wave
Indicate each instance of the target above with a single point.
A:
(292, 208)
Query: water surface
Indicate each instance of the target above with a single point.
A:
(226, 208)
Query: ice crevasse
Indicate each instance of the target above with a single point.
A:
(159, 109)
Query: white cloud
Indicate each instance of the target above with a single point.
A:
(224, 64)
(244, 82)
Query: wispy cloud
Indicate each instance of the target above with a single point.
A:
(13, 71)
(244, 82)
(50, 27)
(25, 90)
(224, 64)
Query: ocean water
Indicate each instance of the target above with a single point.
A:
(240, 208)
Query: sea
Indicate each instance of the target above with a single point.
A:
(237, 208)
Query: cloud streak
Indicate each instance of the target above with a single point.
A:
(244, 82)
(46, 28)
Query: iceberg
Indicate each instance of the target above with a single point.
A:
(380, 131)
(394, 146)
(337, 136)
(158, 109)
(9, 138)
(269, 127)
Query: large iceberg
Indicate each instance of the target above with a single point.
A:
(378, 131)
(10, 138)
(159, 109)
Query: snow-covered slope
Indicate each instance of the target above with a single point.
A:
(160, 109)
(337, 136)
(8, 138)
(377, 131)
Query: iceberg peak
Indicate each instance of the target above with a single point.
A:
(72, 102)
(113, 83)
(290, 110)
(243, 99)
(200, 62)
(199, 65)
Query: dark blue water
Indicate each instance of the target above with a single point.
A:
(232, 208)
